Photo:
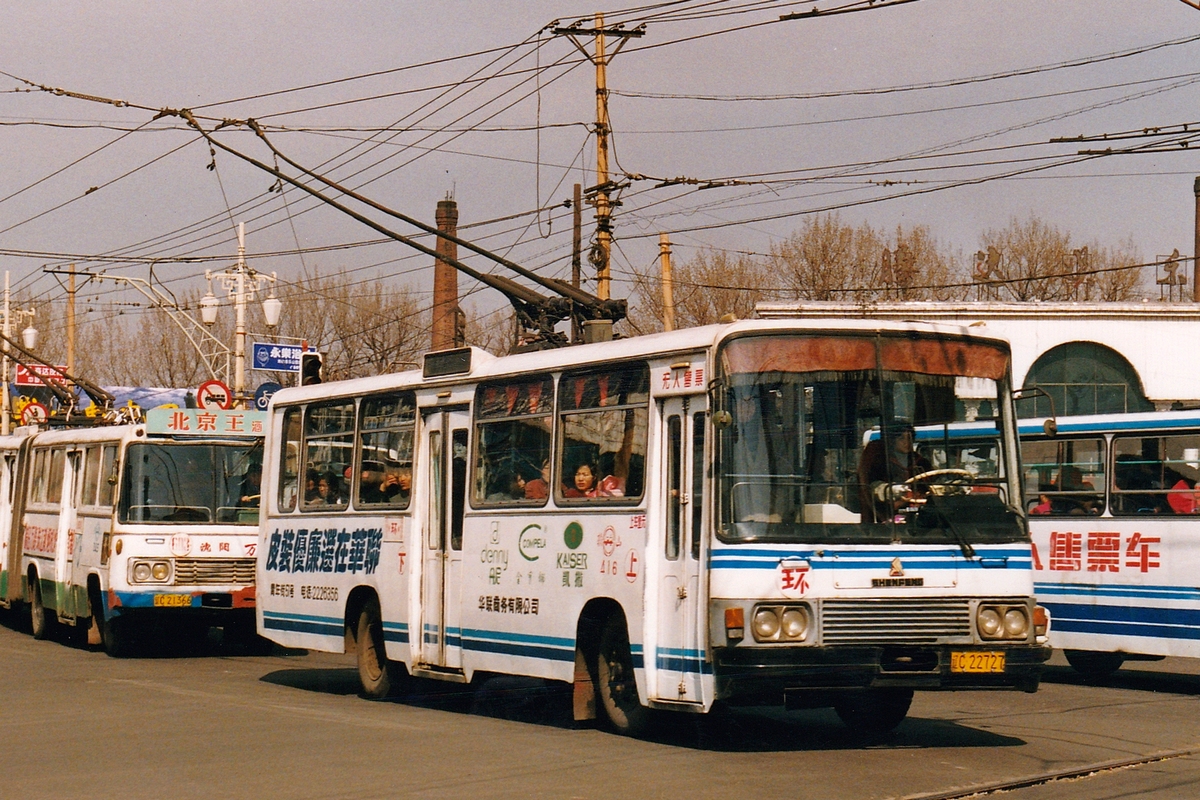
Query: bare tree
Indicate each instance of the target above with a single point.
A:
(705, 288)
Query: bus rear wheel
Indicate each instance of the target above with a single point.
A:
(615, 681)
(1094, 664)
(41, 622)
(874, 712)
(379, 677)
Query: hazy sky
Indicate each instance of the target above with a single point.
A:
(877, 115)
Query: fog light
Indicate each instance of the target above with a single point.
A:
(989, 622)
(161, 570)
(141, 571)
(795, 623)
(1016, 623)
(766, 624)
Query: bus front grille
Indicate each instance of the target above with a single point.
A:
(894, 621)
(205, 571)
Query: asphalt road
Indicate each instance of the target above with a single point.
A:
(220, 722)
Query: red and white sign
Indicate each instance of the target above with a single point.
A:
(32, 375)
(214, 396)
(34, 414)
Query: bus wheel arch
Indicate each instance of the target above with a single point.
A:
(616, 683)
(379, 676)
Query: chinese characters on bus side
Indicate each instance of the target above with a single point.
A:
(508, 605)
(328, 550)
(1099, 552)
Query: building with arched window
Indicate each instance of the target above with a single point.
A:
(1090, 358)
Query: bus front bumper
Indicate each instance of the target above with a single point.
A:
(767, 674)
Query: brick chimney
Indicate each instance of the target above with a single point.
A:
(445, 279)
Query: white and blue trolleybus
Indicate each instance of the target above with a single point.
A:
(665, 522)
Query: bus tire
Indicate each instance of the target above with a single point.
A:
(616, 686)
(41, 622)
(874, 712)
(379, 677)
(1094, 664)
(116, 634)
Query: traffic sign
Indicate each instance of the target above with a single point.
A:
(214, 396)
(262, 395)
(276, 357)
(34, 414)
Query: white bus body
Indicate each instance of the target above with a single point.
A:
(120, 528)
(1113, 515)
(685, 577)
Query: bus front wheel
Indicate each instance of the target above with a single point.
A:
(615, 681)
(379, 677)
(1094, 664)
(874, 712)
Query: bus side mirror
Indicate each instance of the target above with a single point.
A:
(722, 419)
(1050, 427)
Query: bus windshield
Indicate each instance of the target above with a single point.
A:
(179, 483)
(819, 442)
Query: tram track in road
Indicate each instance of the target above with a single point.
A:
(1092, 770)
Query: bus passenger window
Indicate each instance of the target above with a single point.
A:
(91, 475)
(385, 448)
(1064, 477)
(604, 419)
(1156, 474)
(289, 461)
(108, 475)
(328, 443)
(54, 480)
(512, 424)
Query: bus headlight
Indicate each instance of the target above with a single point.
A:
(989, 622)
(150, 572)
(1002, 621)
(795, 624)
(766, 624)
(1016, 624)
(782, 623)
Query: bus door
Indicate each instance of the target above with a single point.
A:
(69, 538)
(680, 656)
(445, 452)
(8, 476)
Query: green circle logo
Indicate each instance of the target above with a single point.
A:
(573, 535)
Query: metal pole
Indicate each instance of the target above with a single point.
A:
(576, 256)
(6, 405)
(1196, 246)
(71, 321)
(239, 350)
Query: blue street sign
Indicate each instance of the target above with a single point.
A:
(262, 395)
(276, 357)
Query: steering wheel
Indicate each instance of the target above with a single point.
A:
(950, 481)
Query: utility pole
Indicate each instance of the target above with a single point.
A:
(668, 292)
(576, 256)
(601, 252)
(71, 320)
(1196, 246)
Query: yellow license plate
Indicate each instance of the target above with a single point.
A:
(173, 600)
(985, 661)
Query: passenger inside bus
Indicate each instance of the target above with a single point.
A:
(377, 485)
(1184, 497)
(1070, 479)
(510, 488)
(539, 487)
(329, 491)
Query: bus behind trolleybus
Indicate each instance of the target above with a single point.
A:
(665, 522)
(124, 532)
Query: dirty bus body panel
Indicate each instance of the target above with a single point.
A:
(134, 529)
(615, 517)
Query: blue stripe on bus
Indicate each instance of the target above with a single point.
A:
(1152, 622)
(303, 623)
(1128, 592)
(1013, 558)
(395, 632)
(452, 637)
(549, 648)
(1113, 424)
(682, 660)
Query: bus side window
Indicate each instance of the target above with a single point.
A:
(328, 443)
(91, 475)
(289, 460)
(698, 473)
(1064, 477)
(512, 449)
(108, 475)
(37, 492)
(604, 417)
(385, 449)
(54, 481)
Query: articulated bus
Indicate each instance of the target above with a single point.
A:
(122, 531)
(1114, 510)
(664, 522)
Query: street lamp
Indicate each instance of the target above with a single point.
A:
(241, 283)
